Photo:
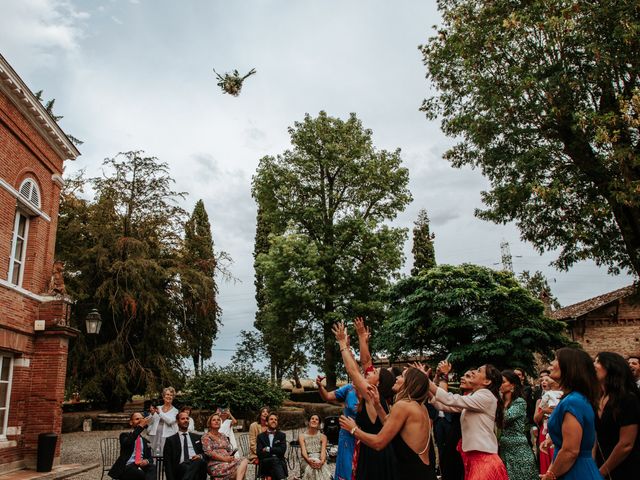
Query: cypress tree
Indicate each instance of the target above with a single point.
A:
(424, 254)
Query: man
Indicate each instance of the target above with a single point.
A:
(634, 365)
(270, 447)
(135, 461)
(183, 455)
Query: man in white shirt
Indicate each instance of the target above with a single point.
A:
(183, 455)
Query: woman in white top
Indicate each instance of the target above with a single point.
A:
(164, 420)
(226, 428)
(480, 411)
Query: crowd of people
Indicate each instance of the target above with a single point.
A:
(578, 421)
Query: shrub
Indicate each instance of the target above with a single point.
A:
(242, 389)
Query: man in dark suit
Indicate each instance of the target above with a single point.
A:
(271, 447)
(183, 455)
(135, 461)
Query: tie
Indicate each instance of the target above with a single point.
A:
(138, 455)
(185, 448)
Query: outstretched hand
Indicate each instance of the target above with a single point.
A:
(373, 394)
(319, 380)
(422, 367)
(444, 367)
(361, 329)
(347, 423)
(340, 332)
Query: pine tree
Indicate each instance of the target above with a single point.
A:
(424, 254)
(198, 290)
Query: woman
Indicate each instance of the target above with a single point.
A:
(313, 447)
(572, 423)
(228, 422)
(481, 411)
(544, 407)
(222, 464)
(369, 464)
(514, 448)
(406, 427)
(164, 420)
(255, 429)
(618, 447)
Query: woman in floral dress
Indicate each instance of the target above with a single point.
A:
(217, 447)
(514, 448)
(313, 445)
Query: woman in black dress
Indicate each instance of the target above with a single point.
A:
(407, 427)
(618, 419)
(368, 464)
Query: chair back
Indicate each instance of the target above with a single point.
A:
(332, 429)
(243, 443)
(109, 450)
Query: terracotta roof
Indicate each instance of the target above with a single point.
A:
(582, 308)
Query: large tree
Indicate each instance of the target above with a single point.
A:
(195, 291)
(121, 251)
(424, 253)
(545, 99)
(337, 190)
(477, 314)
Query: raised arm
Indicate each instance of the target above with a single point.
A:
(392, 426)
(167, 417)
(350, 364)
(363, 341)
(480, 401)
(324, 394)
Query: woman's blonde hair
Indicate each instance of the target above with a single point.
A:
(170, 390)
(415, 387)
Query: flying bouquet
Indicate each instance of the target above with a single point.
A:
(231, 83)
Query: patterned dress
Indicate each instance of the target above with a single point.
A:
(313, 445)
(514, 448)
(219, 445)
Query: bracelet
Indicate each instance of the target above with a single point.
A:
(343, 349)
(353, 430)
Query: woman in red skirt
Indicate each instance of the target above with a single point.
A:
(481, 410)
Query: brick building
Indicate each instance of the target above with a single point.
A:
(609, 322)
(34, 335)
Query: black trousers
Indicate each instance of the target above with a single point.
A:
(133, 472)
(273, 467)
(192, 470)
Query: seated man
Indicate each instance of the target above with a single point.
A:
(135, 461)
(183, 455)
(271, 447)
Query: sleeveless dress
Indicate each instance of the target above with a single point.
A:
(373, 464)
(346, 441)
(410, 466)
(576, 404)
(514, 447)
(313, 445)
(220, 445)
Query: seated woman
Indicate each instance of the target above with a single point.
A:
(222, 464)
(255, 429)
(313, 446)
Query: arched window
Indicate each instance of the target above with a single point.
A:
(30, 192)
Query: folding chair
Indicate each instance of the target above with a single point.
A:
(109, 449)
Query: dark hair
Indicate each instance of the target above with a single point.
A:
(314, 415)
(184, 408)
(259, 417)
(637, 357)
(619, 381)
(396, 371)
(272, 414)
(513, 378)
(577, 374)
(545, 371)
(385, 383)
(415, 387)
(524, 374)
(132, 414)
(495, 378)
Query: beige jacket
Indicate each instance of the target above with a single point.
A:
(478, 419)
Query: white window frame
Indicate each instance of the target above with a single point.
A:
(14, 245)
(9, 382)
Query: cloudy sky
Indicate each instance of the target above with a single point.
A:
(137, 74)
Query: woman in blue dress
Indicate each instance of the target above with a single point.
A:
(572, 423)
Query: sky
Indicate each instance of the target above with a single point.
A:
(138, 75)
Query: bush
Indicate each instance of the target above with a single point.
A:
(242, 389)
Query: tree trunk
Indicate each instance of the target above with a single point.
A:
(329, 357)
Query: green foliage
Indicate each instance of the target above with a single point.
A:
(424, 253)
(120, 252)
(477, 314)
(538, 286)
(544, 97)
(242, 389)
(334, 190)
(195, 291)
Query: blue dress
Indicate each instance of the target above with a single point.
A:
(346, 441)
(575, 403)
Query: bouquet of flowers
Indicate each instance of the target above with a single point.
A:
(231, 83)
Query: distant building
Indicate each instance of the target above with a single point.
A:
(609, 322)
(34, 335)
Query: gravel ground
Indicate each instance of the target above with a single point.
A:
(84, 448)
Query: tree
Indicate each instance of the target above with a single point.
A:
(196, 289)
(477, 314)
(48, 106)
(121, 252)
(538, 285)
(545, 97)
(337, 190)
(424, 254)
